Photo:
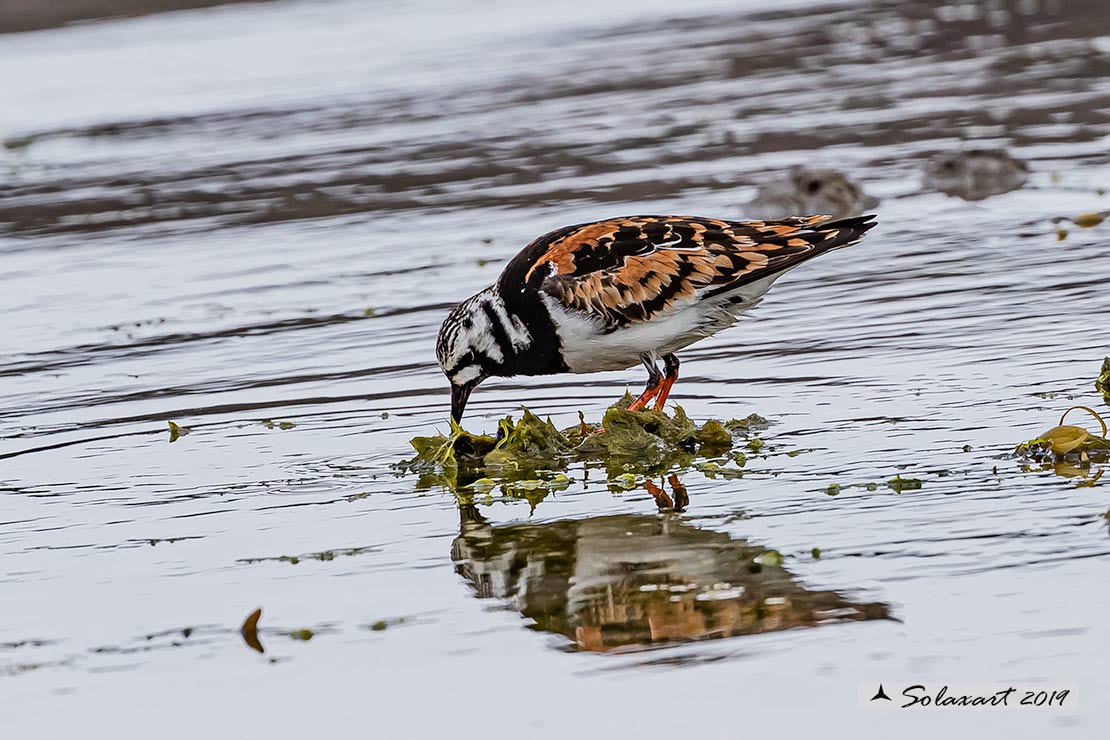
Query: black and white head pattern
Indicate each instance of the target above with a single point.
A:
(480, 338)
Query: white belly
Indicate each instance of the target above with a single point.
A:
(588, 349)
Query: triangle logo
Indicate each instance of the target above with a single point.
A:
(880, 694)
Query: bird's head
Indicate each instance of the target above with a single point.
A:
(462, 349)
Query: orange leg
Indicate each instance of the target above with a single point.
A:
(670, 363)
(664, 391)
(646, 396)
(655, 382)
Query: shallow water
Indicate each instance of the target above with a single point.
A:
(257, 213)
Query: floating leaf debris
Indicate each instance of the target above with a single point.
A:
(249, 631)
(1068, 444)
(1089, 220)
(324, 556)
(899, 484)
(627, 481)
(1083, 221)
(770, 558)
(177, 431)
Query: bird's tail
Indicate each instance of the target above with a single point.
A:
(844, 232)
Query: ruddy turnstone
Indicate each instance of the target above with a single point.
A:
(610, 294)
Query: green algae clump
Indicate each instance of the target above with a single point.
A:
(1102, 383)
(527, 454)
(750, 423)
(440, 458)
(713, 434)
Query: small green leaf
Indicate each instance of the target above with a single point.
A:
(770, 558)
(484, 485)
(627, 481)
(177, 431)
(899, 484)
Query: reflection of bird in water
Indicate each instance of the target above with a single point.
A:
(806, 190)
(631, 580)
(975, 174)
(681, 498)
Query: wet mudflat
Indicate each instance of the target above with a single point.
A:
(255, 235)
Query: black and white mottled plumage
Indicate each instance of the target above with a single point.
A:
(612, 294)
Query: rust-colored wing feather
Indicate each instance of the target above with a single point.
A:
(628, 270)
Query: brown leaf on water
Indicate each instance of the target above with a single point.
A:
(1088, 220)
(1064, 439)
(1090, 411)
(249, 631)
(1067, 439)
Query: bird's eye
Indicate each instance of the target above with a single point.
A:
(813, 186)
